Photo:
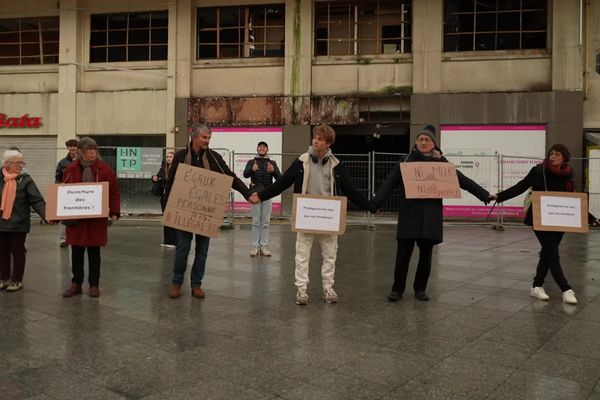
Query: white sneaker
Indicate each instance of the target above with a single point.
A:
(254, 251)
(539, 293)
(330, 295)
(265, 252)
(301, 297)
(569, 297)
(14, 286)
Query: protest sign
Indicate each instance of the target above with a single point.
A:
(197, 200)
(430, 180)
(77, 201)
(560, 211)
(319, 214)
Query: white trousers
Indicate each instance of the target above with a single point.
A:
(329, 247)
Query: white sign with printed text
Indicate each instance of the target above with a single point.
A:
(319, 214)
(75, 201)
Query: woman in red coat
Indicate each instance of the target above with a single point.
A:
(91, 233)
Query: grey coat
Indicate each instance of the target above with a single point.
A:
(28, 196)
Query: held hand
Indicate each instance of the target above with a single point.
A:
(52, 222)
(114, 217)
(492, 197)
(255, 167)
(270, 168)
(254, 199)
(154, 178)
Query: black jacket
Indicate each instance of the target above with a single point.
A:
(262, 178)
(421, 218)
(60, 168)
(535, 180)
(295, 175)
(216, 164)
(28, 196)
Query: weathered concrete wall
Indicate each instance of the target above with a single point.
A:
(235, 81)
(591, 105)
(36, 105)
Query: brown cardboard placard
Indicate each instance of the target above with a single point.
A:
(318, 214)
(560, 211)
(197, 200)
(77, 201)
(430, 180)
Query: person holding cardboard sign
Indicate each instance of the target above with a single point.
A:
(420, 220)
(19, 195)
(90, 233)
(553, 174)
(315, 172)
(199, 155)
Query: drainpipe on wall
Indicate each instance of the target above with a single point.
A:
(583, 43)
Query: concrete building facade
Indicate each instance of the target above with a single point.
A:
(139, 72)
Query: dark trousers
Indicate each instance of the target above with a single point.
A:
(12, 244)
(169, 234)
(77, 253)
(405, 250)
(184, 245)
(550, 260)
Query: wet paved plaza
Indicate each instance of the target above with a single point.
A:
(480, 337)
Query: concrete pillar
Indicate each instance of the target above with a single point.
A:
(171, 76)
(69, 71)
(567, 65)
(427, 46)
(184, 56)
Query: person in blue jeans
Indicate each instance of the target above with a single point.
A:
(199, 155)
(262, 171)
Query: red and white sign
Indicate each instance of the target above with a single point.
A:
(24, 121)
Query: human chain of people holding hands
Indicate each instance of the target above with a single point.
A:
(315, 172)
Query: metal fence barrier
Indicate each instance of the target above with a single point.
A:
(368, 171)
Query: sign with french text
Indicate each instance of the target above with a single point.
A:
(560, 212)
(319, 214)
(67, 201)
(197, 200)
(430, 180)
(138, 162)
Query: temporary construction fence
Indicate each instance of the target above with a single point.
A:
(368, 171)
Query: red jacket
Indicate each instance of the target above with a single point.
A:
(93, 231)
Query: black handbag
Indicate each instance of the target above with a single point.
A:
(157, 188)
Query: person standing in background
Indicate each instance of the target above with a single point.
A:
(160, 180)
(261, 170)
(58, 178)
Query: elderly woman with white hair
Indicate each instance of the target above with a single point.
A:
(19, 195)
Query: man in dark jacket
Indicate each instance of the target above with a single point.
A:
(317, 171)
(59, 175)
(261, 170)
(420, 221)
(199, 155)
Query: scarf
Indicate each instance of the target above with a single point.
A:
(203, 154)
(564, 170)
(433, 155)
(87, 175)
(9, 194)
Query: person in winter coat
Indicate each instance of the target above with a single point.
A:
(199, 155)
(59, 174)
(261, 170)
(317, 171)
(554, 174)
(420, 221)
(91, 233)
(19, 195)
(169, 234)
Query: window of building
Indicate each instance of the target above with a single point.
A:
(241, 32)
(26, 41)
(140, 36)
(481, 25)
(366, 27)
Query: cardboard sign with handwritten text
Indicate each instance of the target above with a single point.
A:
(197, 201)
(560, 211)
(430, 180)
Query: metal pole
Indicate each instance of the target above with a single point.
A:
(371, 186)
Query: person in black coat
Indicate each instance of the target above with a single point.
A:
(261, 170)
(420, 221)
(554, 174)
(59, 174)
(160, 179)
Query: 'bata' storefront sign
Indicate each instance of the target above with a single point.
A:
(24, 121)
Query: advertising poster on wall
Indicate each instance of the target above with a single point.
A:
(138, 162)
(242, 142)
(475, 150)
